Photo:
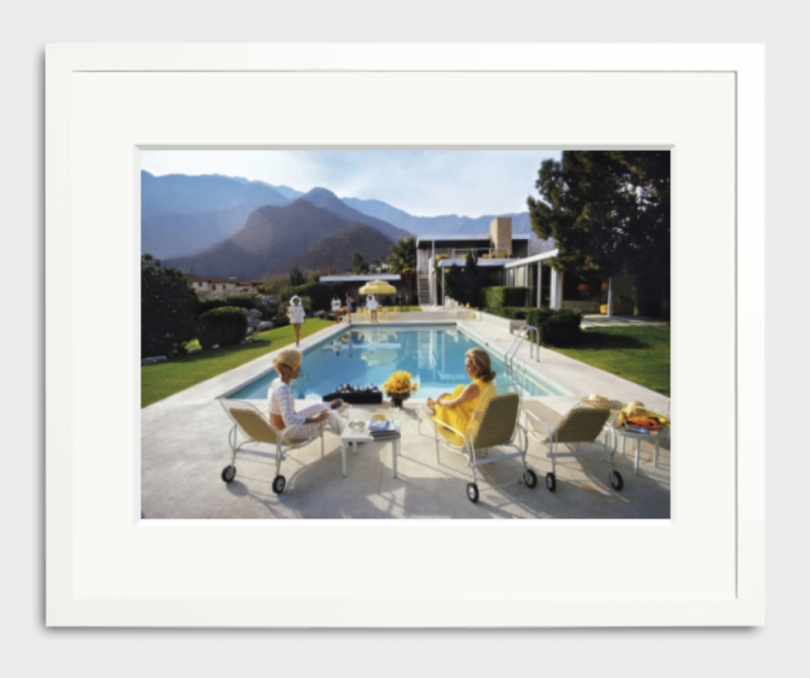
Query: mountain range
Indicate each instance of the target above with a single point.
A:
(449, 224)
(223, 226)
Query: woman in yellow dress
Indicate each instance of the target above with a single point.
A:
(456, 409)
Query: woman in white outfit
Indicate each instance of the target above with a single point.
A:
(371, 305)
(336, 305)
(296, 314)
(281, 404)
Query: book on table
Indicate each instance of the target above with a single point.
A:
(382, 428)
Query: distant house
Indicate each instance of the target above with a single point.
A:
(220, 287)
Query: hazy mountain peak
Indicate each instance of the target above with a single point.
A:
(319, 192)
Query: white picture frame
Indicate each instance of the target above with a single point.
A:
(105, 567)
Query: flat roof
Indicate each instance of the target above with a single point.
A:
(457, 238)
(388, 277)
(486, 263)
(535, 257)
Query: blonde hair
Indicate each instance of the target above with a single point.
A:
(483, 365)
(289, 358)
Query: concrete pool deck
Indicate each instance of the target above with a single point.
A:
(184, 448)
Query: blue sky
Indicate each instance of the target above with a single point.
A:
(424, 183)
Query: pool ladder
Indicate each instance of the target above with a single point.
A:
(529, 332)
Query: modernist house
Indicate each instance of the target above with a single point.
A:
(505, 257)
(435, 254)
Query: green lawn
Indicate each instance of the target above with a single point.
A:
(164, 379)
(639, 354)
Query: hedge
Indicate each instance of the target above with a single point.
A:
(513, 312)
(558, 327)
(320, 294)
(499, 297)
(224, 326)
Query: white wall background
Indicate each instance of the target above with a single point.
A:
(32, 650)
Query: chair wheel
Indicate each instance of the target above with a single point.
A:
(229, 473)
(616, 480)
(472, 492)
(551, 482)
(278, 484)
(530, 478)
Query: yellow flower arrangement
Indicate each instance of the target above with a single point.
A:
(400, 384)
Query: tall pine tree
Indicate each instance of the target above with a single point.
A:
(609, 213)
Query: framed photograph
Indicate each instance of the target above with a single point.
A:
(107, 566)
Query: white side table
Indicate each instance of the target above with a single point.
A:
(351, 436)
(655, 438)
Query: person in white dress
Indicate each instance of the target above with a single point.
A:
(281, 404)
(336, 307)
(296, 314)
(371, 305)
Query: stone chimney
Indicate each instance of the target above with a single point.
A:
(500, 231)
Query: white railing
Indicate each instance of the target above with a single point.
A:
(529, 332)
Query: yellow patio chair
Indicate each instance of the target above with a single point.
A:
(584, 423)
(495, 423)
(256, 427)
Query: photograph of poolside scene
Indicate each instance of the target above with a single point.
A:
(417, 334)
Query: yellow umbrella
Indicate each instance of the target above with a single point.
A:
(378, 287)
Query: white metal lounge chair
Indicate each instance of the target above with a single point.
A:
(582, 424)
(256, 427)
(495, 423)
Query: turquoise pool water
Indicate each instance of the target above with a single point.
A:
(433, 354)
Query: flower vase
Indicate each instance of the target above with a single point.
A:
(397, 401)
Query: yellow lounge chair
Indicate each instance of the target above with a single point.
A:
(495, 423)
(584, 423)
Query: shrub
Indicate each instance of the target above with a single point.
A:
(501, 296)
(280, 320)
(267, 310)
(558, 327)
(224, 326)
(167, 309)
(237, 300)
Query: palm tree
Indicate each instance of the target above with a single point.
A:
(403, 255)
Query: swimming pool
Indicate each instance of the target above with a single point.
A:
(433, 354)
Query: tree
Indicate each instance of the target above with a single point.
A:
(403, 255)
(297, 277)
(167, 308)
(464, 285)
(357, 262)
(277, 285)
(608, 212)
